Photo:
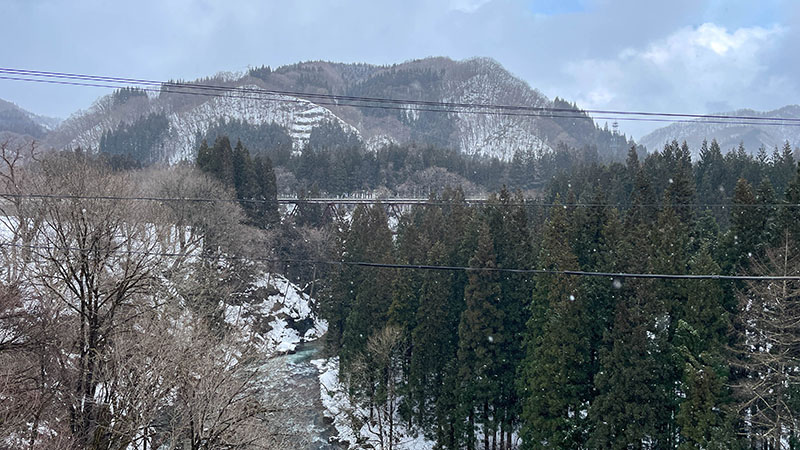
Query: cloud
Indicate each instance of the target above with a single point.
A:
(467, 6)
(622, 54)
(690, 70)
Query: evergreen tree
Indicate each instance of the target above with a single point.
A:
(711, 179)
(679, 193)
(700, 339)
(556, 375)
(479, 347)
(632, 408)
(243, 178)
(406, 295)
(435, 351)
(508, 224)
(369, 240)
(765, 196)
(266, 193)
(790, 212)
(747, 224)
(782, 167)
(204, 156)
(643, 202)
(221, 162)
(634, 386)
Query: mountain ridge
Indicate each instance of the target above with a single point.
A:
(20, 122)
(474, 80)
(729, 136)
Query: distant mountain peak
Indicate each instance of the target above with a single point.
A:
(729, 136)
(18, 121)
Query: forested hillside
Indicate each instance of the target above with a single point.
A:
(16, 120)
(477, 356)
(167, 123)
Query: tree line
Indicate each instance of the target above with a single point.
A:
(479, 359)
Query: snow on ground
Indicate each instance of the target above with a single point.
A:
(340, 410)
(276, 316)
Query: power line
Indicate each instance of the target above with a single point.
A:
(611, 275)
(382, 99)
(233, 91)
(383, 201)
(160, 86)
(576, 114)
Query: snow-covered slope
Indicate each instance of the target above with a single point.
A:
(298, 116)
(14, 119)
(274, 315)
(730, 136)
(472, 81)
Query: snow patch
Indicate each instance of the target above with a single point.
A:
(341, 411)
(277, 323)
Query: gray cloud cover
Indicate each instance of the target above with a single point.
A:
(681, 56)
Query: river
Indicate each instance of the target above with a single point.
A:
(294, 382)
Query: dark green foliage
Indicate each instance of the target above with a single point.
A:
(433, 359)
(402, 84)
(123, 95)
(633, 403)
(563, 361)
(480, 340)
(267, 139)
(558, 348)
(262, 72)
(781, 168)
(790, 213)
(140, 140)
(679, 192)
(700, 339)
(711, 178)
(252, 179)
(747, 225)
(217, 160)
(369, 240)
(331, 136)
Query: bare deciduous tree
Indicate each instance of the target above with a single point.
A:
(97, 345)
(374, 380)
(769, 350)
(19, 222)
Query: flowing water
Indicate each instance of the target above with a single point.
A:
(296, 383)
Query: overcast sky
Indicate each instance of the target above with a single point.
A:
(696, 56)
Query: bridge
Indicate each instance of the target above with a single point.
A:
(333, 206)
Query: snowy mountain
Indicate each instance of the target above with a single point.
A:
(730, 136)
(477, 80)
(16, 120)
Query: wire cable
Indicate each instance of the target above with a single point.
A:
(611, 275)
(384, 201)
(381, 99)
(160, 86)
(257, 97)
